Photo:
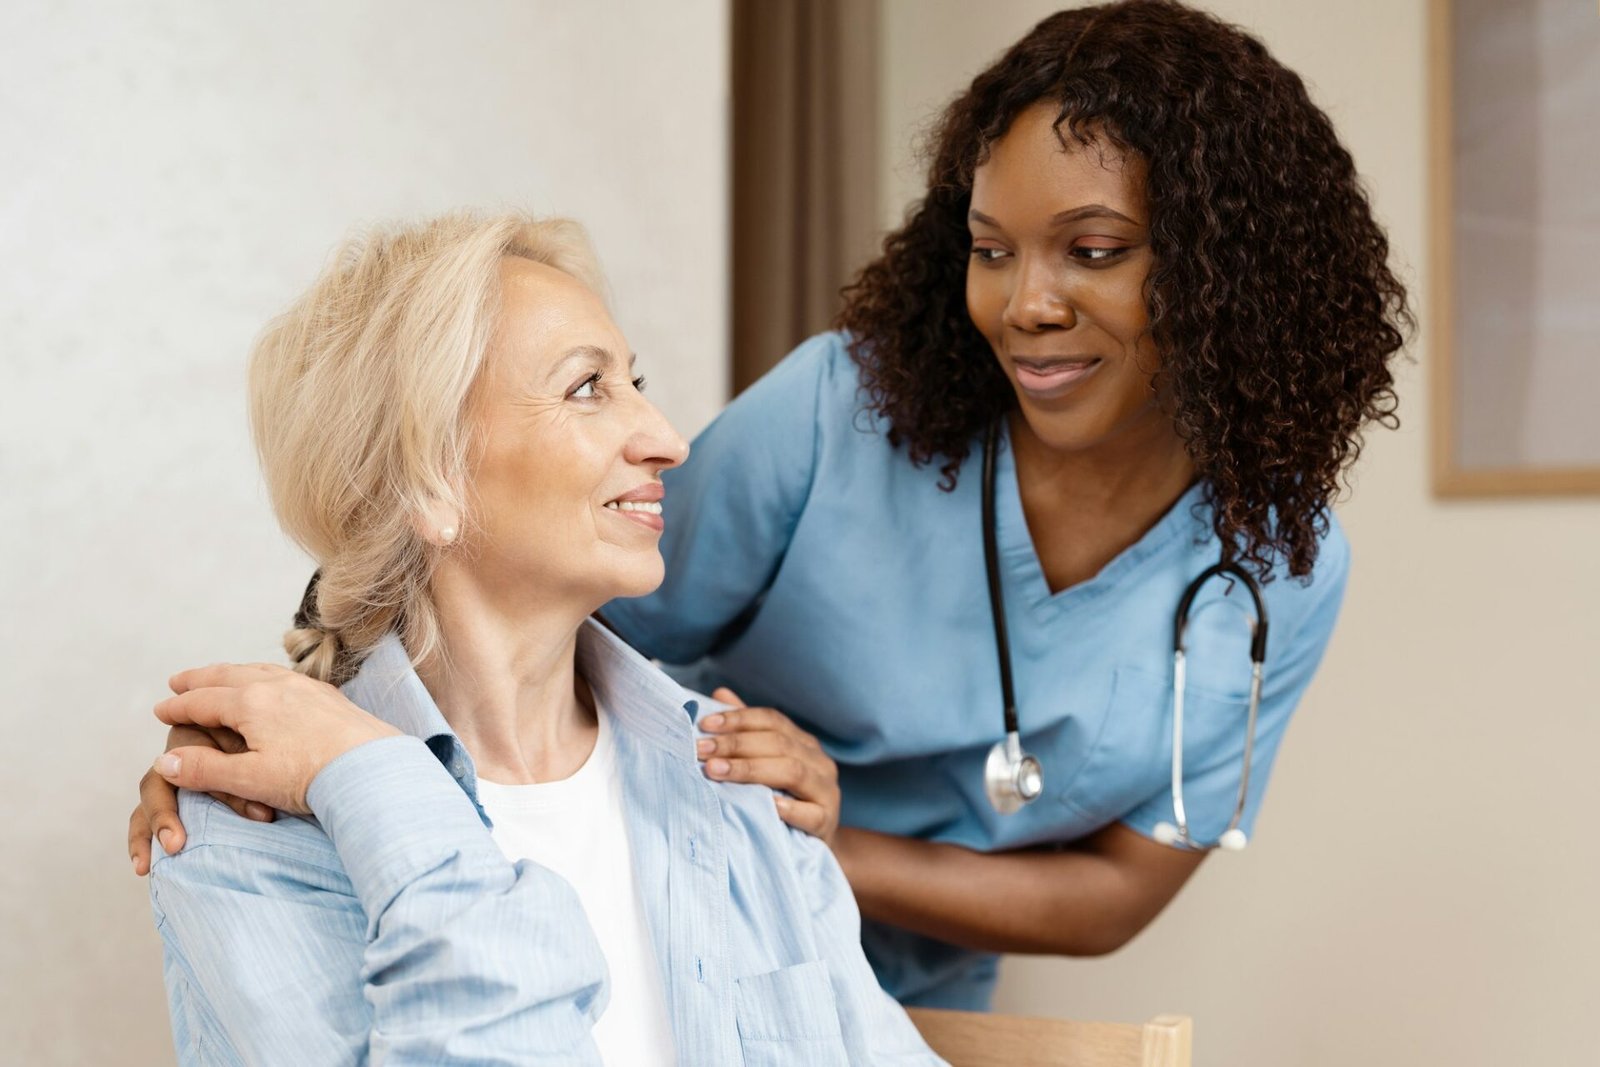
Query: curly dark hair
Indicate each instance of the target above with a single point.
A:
(1271, 302)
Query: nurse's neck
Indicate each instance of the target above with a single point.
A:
(1143, 456)
(1087, 501)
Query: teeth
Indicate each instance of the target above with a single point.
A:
(649, 507)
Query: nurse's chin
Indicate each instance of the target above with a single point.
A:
(1092, 419)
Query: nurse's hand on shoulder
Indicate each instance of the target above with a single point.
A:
(292, 727)
(763, 745)
(157, 812)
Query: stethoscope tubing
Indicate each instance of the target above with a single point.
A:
(1009, 766)
(991, 562)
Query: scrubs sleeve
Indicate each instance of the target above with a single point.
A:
(1211, 779)
(731, 509)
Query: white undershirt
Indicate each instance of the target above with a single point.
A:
(576, 828)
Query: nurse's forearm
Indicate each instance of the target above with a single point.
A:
(1086, 900)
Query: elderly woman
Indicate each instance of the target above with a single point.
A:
(512, 854)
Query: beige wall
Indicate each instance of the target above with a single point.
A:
(1423, 884)
(171, 173)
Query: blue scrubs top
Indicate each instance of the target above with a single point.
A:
(813, 568)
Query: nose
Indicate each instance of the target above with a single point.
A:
(654, 443)
(1038, 301)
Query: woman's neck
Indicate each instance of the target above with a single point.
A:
(1086, 506)
(505, 680)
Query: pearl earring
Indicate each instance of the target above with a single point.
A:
(447, 534)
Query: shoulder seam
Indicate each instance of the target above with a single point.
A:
(198, 840)
(230, 846)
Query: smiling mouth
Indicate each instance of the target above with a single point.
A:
(646, 513)
(1047, 379)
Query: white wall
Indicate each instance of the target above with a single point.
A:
(171, 174)
(1423, 883)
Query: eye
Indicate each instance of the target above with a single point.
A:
(1096, 253)
(988, 255)
(587, 391)
(638, 383)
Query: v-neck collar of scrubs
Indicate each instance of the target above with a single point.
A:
(1020, 559)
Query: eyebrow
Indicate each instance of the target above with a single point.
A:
(591, 352)
(1061, 218)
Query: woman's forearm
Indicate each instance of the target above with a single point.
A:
(383, 937)
(1086, 899)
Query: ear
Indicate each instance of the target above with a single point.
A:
(437, 523)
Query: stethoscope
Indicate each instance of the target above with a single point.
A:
(1012, 777)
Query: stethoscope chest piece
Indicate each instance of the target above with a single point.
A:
(1011, 777)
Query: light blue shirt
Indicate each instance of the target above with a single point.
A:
(390, 928)
(812, 567)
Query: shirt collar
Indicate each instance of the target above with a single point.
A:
(643, 702)
(387, 686)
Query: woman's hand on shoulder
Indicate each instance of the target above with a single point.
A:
(764, 746)
(293, 726)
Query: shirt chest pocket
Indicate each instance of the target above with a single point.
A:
(788, 1016)
(1131, 760)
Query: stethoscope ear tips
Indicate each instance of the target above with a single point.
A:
(1232, 840)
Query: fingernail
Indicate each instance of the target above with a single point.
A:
(163, 836)
(167, 765)
(705, 746)
(135, 861)
(258, 812)
(782, 802)
(717, 767)
(713, 722)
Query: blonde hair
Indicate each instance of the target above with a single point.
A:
(357, 401)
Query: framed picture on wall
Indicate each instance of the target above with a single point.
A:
(1515, 197)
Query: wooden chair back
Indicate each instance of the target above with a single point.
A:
(977, 1039)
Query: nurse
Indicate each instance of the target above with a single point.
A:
(1145, 256)
(1146, 261)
